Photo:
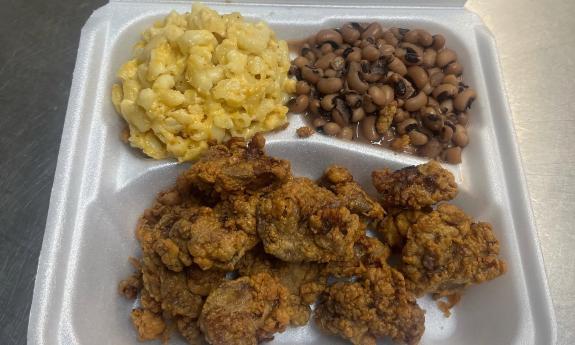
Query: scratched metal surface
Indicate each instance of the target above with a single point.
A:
(38, 43)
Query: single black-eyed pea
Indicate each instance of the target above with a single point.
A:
(407, 126)
(453, 68)
(328, 102)
(331, 128)
(302, 87)
(373, 30)
(418, 75)
(368, 130)
(464, 99)
(425, 38)
(445, 57)
(357, 114)
(311, 75)
(412, 36)
(453, 155)
(460, 137)
(370, 53)
(328, 35)
(446, 106)
(444, 91)
(397, 66)
(300, 104)
(429, 57)
(445, 134)
(319, 122)
(301, 61)
(390, 38)
(417, 138)
(438, 41)
(416, 103)
(431, 149)
(350, 32)
(314, 106)
(329, 85)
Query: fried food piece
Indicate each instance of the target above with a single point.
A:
(247, 311)
(130, 286)
(218, 237)
(376, 304)
(415, 186)
(190, 330)
(368, 252)
(445, 252)
(302, 221)
(234, 168)
(305, 281)
(195, 233)
(340, 181)
(202, 282)
(149, 325)
(395, 225)
(188, 233)
(169, 289)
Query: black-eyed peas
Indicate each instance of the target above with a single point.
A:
(395, 87)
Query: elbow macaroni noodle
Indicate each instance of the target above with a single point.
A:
(202, 76)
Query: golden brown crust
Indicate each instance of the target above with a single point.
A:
(340, 181)
(195, 233)
(148, 325)
(445, 252)
(415, 186)
(368, 252)
(395, 225)
(302, 221)
(234, 168)
(247, 310)
(305, 281)
(376, 304)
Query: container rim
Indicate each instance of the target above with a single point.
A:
(312, 3)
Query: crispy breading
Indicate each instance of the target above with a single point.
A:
(340, 181)
(368, 252)
(247, 311)
(218, 237)
(446, 251)
(415, 186)
(396, 223)
(301, 221)
(195, 233)
(305, 281)
(234, 168)
(376, 304)
(149, 325)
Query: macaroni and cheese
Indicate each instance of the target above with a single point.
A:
(202, 76)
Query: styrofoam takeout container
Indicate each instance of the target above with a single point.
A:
(102, 186)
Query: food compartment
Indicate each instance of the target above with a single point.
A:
(108, 236)
(397, 86)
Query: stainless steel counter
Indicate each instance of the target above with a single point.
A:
(38, 43)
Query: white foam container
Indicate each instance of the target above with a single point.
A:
(101, 186)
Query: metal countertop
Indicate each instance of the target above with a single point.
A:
(38, 45)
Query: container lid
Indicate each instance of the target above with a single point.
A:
(326, 3)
